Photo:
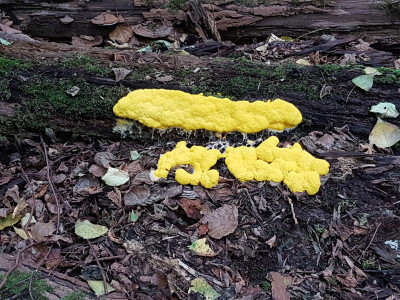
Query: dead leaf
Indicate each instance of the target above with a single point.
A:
(222, 221)
(159, 279)
(41, 230)
(384, 134)
(120, 73)
(9, 30)
(115, 197)
(397, 64)
(121, 34)
(271, 241)
(325, 90)
(54, 258)
(165, 78)
(138, 195)
(191, 207)
(5, 180)
(73, 91)
(19, 208)
(97, 170)
(279, 285)
(78, 41)
(13, 193)
(104, 159)
(87, 185)
(4, 212)
(105, 19)
(67, 20)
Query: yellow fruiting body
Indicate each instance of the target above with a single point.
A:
(242, 162)
(160, 108)
(298, 169)
(199, 157)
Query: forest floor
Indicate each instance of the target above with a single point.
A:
(342, 243)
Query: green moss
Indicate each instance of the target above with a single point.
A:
(84, 62)
(330, 69)
(9, 65)
(77, 295)
(266, 286)
(17, 286)
(175, 5)
(48, 97)
(391, 7)
(5, 92)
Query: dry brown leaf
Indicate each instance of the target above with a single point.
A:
(4, 212)
(115, 197)
(279, 284)
(41, 230)
(121, 34)
(9, 30)
(104, 158)
(97, 170)
(120, 73)
(87, 185)
(138, 195)
(191, 207)
(165, 78)
(271, 241)
(222, 221)
(13, 193)
(67, 20)
(78, 41)
(54, 258)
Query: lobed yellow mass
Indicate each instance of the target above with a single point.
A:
(199, 157)
(160, 108)
(297, 168)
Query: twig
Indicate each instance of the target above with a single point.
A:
(197, 273)
(33, 208)
(347, 98)
(293, 213)
(53, 190)
(370, 242)
(100, 267)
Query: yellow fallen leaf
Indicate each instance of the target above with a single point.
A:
(9, 221)
(199, 285)
(384, 134)
(98, 287)
(21, 233)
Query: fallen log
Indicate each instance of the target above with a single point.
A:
(225, 20)
(34, 94)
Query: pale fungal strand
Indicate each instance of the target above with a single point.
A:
(159, 108)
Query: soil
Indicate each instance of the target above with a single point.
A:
(337, 244)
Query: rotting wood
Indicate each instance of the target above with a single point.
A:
(226, 19)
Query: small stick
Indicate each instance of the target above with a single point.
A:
(101, 268)
(53, 190)
(370, 242)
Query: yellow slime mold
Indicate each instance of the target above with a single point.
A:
(159, 108)
(298, 169)
(200, 158)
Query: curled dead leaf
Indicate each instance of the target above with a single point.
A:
(121, 34)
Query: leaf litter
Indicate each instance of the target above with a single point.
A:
(238, 239)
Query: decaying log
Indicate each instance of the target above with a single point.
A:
(224, 19)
